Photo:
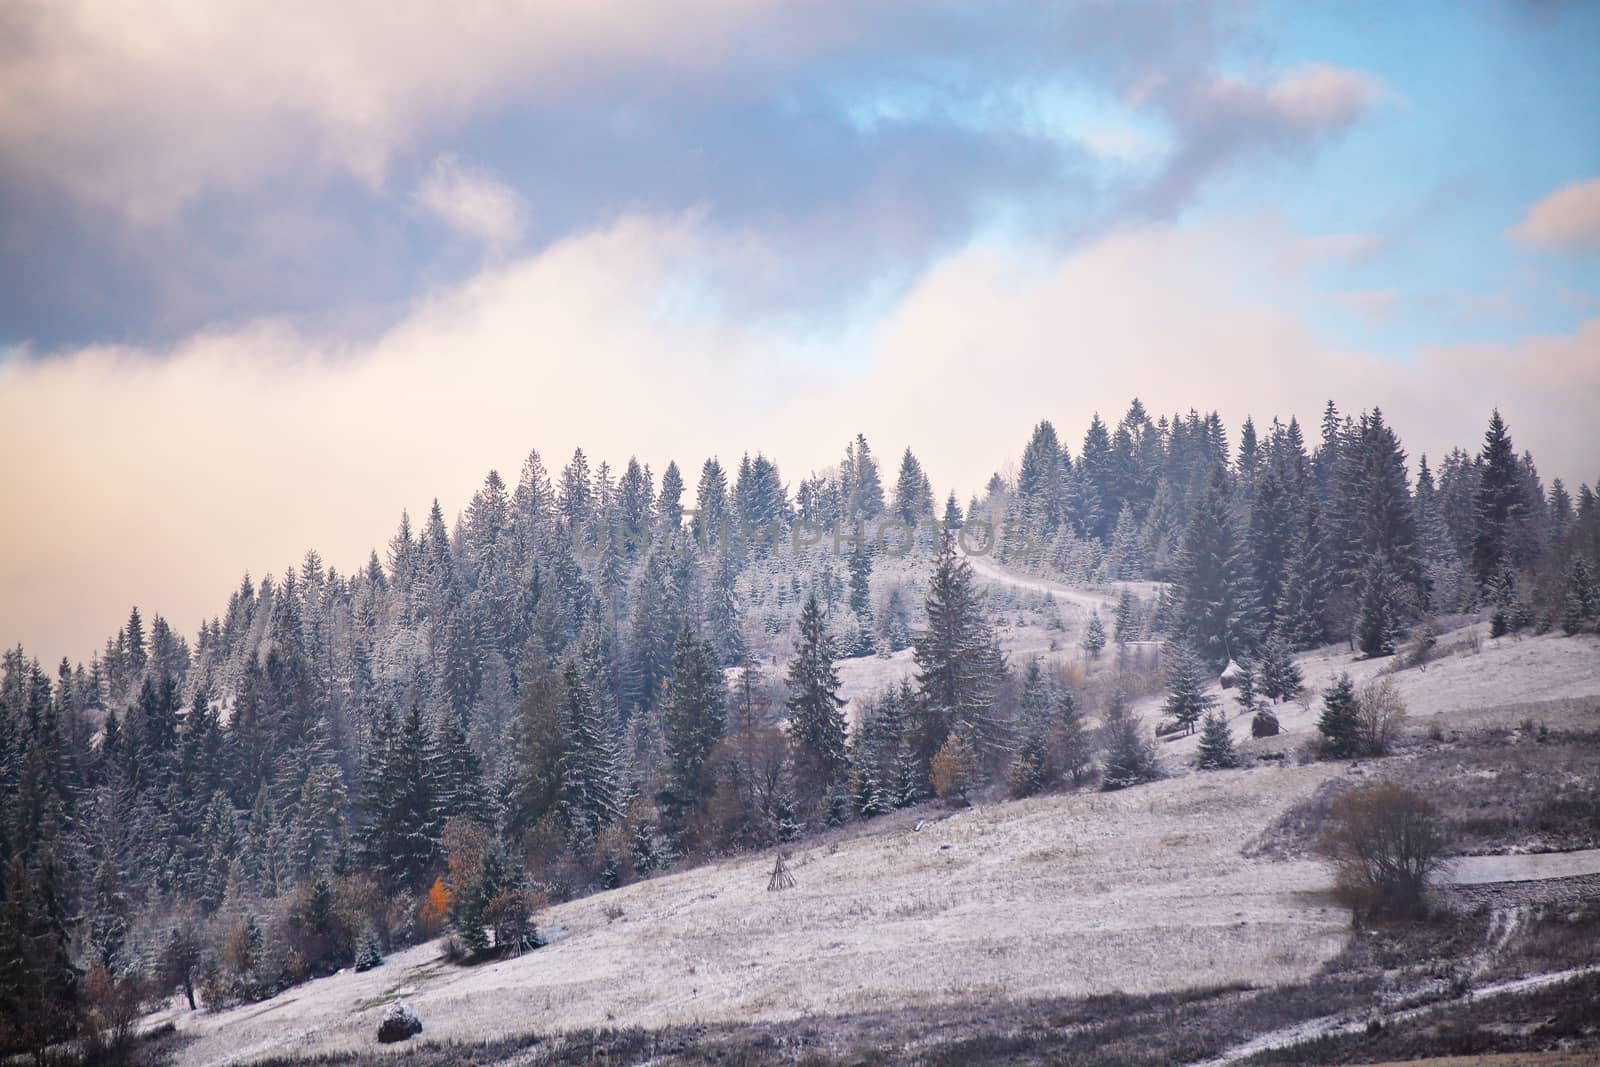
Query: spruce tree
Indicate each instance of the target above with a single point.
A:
(1129, 758)
(952, 512)
(1216, 744)
(1580, 603)
(1094, 638)
(865, 499)
(1340, 722)
(1378, 621)
(1127, 625)
(457, 774)
(1279, 676)
(816, 716)
(1498, 504)
(913, 495)
(860, 576)
(693, 721)
(402, 834)
(1187, 698)
(669, 503)
(711, 519)
(1072, 748)
(1210, 613)
(38, 984)
(1302, 605)
(955, 662)
(587, 766)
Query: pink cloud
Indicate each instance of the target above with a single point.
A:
(1566, 220)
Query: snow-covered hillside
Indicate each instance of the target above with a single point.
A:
(1139, 891)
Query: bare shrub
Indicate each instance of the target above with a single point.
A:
(112, 1008)
(1380, 714)
(1385, 845)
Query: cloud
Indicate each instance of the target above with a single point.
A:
(737, 109)
(1566, 220)
(156, 476)
(473, 203)
(138, 196)
(1224, 118)
(1377, 306)
(188, 95)
(1318, 97)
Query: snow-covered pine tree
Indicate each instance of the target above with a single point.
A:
(1443, 573)
(712, 519)
(1378, 623)
(693, 719)
(1301, 609)
(1580, 602)
(955, 662)
(1071, 745)
(574, 501)
(1382, 561)
(952, 512)
(1094, 638)
(1187, 698)
(1127, 624)
(1278, 675)
(1209, 613)
(864, 494)
(816, 716)
(587, 767)
(913, 494)
(1340, 722)
(401, 840)
(669, 502)
(1129, 758)
(1216, 744)
(1498, 505)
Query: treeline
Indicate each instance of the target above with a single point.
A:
(1309, 545)
(537, 702)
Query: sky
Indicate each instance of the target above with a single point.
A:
(272, 271)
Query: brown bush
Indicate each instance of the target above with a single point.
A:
(112, 1008)
(1385, 844)
(952, 770)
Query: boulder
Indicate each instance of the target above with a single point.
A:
(399, 1023)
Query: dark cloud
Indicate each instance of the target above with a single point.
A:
(758, 136)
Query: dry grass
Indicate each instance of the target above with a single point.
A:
(1499, 789)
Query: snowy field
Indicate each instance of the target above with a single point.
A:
(1138, 891)
(1471, 688)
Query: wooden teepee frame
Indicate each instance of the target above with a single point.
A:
(781, 878)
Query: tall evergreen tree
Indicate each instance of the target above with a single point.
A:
(1187, 698)
(1340, 721)
(955, 661)
(1497, 506)
(587, 767)
(913, 494)
(402, 833)
(693, 720)
(1129, 757)
(1211, 612)
(816, 716)
(669, 503)
(1216, 745)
